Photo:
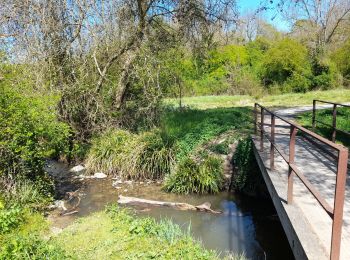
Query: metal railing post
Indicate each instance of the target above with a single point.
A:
(256, 118)
(293, 133)
(272, 148)
(262, 129)
(313, 114)
(339, 204)
(334, 124)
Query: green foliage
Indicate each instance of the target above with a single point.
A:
(204, 175)
(31, 247)
(326, 75)
(191, 128)
(286, 62)
(29, 131)
(10, 218)
(341, 58)
(246, 176)
(169, 151)
(219, 148)
(26, 193)
(164, 230)
(145, 155)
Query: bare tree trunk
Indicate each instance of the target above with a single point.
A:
(123, 81)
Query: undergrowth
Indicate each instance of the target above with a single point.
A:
(181, 149)
(145, 155)
(246, 177)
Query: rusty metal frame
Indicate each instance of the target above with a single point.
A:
(334, 115)
(335, 211)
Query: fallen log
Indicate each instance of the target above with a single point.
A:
(176, 205)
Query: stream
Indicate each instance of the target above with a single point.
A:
(247, 225)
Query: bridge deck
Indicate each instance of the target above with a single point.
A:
(310, 223)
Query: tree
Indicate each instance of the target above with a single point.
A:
(287, 64)
(326, 18)
(341, 58)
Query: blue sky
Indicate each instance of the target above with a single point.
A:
(271, 16)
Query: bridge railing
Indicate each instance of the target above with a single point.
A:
(334, 117)
(335, 211)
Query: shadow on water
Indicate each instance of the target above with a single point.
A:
(246, 225)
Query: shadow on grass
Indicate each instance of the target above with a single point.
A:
(192, 127)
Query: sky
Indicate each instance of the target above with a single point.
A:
(271, 16)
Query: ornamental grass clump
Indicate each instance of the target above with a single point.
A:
(196, 176)
(137, 156)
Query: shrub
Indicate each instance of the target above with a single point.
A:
(146, 155)
(29, 132)
(202, 176)
(286, 60)
(296, 83)
(326, 75)
(341, 58)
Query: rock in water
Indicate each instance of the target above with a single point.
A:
(78, 168)
(100, 175)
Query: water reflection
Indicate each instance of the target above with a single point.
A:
(246, 225)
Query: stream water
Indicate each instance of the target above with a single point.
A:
(246, 225)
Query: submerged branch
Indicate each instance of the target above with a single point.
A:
(176, 205)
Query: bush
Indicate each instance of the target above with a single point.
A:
(146, 155)
(29, 132)
(341, 58)
(287, 60)
(202, 176)
(326, 75)
(296, 83)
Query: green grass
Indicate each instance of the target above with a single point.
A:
(326, 116)
(293, 99)
(130, 155)
(191, 128)
(116, 234)
(181, 136)
(198, 167)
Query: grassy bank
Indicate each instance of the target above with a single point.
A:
(187, 145)
(116, 234)
(292, 99)
(326, 116)
(111, 234)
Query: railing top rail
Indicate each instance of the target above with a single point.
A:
(332, 103)
(308, 132)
